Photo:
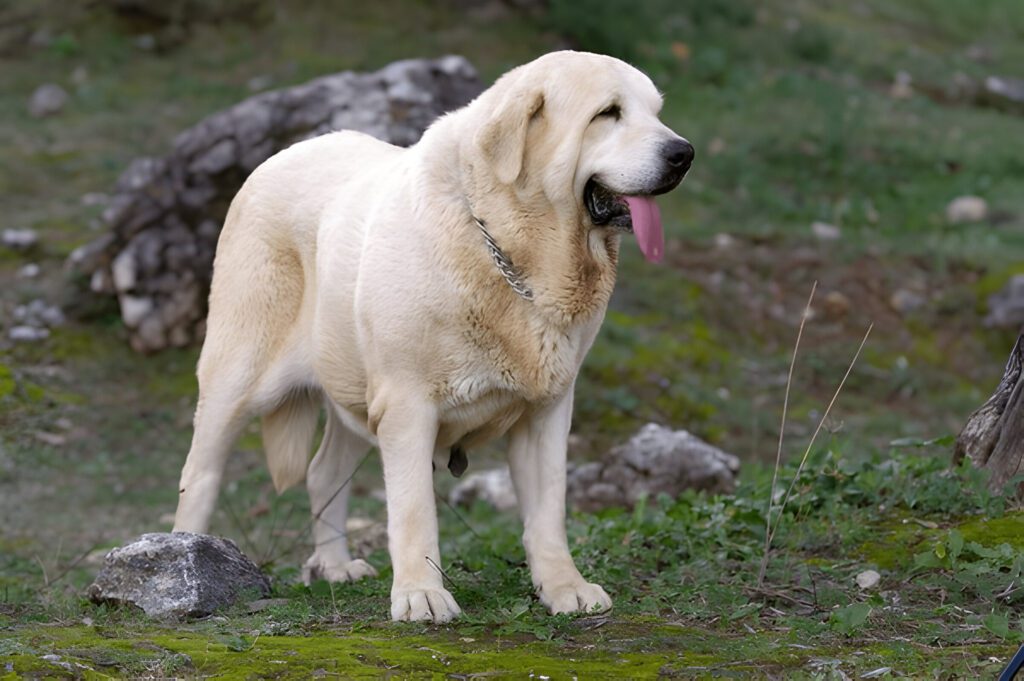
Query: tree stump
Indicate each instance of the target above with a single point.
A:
(993, 437)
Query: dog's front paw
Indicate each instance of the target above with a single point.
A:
(351, 571)
(435, 605)
(578, 596)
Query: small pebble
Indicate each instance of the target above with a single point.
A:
(825, 232)
(47, 100)
(27, 334)
(966, 209)
(868, 579)
(19, 239)
(29, 271)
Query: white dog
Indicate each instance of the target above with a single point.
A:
(432, 299)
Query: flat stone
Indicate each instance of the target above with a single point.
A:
(905, 301)
(39, 313)
(825, 232)
(28, 334)
(868, 579)
(19, 239)
(178, 575)
(29, 271)
(47, 100)
(966, 209)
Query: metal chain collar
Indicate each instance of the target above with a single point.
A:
(513, 275)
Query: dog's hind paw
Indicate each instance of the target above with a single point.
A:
(577, 597)
(434, 605)
(343, 572)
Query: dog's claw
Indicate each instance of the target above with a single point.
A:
(432, 605)
(579, 597)
(351, 571)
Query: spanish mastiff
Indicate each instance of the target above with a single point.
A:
(431, 299)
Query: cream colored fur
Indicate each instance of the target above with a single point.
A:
(350, 273)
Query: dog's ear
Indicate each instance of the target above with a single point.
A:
(502, 139)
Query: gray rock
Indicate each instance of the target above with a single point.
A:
(491, 486)
(39, 313)
(906, 301)
(29, 271)
(27, 334)
(966, 209)
(92, 256)
(657, 460)
(1006, 308)
(216, 159)
(47, 100)
(19, 239)
(825, 232)
(134, 309)
(1003, 93)
(163, 218)
(177, 575)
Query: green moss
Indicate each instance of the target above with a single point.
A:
(174, 374)
(7, 384)
(637, 649)
(991, 532)
(34, 392)
(895, 542)
(71, 343)
(994, 281)
(366, 654)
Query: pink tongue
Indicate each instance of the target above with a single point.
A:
(647, 226)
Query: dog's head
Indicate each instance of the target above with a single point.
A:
(586, 124)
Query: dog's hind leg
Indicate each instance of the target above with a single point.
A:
(219, 418)
(255, 298)
(329, 483)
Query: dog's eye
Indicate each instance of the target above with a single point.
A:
(611, 111)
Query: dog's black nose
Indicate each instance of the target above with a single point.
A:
(679, 153)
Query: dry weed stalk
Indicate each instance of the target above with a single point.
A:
(769, 534)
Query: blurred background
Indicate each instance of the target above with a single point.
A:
(875, 147)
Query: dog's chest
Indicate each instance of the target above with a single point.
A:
(499, 378)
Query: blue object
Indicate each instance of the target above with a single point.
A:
(1016, 663)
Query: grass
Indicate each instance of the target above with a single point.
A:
(681, 571)
(789, 106)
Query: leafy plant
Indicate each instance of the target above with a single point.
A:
(850, 619)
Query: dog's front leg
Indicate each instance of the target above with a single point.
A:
(537, 453)
(406, 434)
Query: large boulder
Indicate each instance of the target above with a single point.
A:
(165, 214)
(177, 575)
(657, 460)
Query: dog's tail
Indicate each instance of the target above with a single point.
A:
(288, 437)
